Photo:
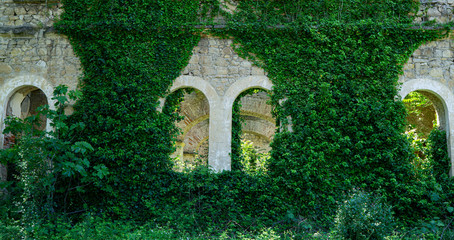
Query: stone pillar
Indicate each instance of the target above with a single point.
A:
(450, 140)
(220, 135)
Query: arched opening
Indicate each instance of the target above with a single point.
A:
(443, 100)
(191, 144)
(23, 103)
(253, 128)
(426, 115)
(424, 111)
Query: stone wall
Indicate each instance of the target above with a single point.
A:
(33, 54)
(434, 61)
(30, 46)
(215, 61)
(440, 11)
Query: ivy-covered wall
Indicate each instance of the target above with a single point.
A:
(30, 46)
(334, 71)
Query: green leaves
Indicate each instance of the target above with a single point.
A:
(334, 65)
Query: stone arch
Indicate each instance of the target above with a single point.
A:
(191, 125)
(11, 86)
(241, 85)
(443, 100)
(196, 83)
(193, 82)
(244, 84)
(22, 88)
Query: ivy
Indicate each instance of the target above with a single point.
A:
(335, 76)
(131, 51)
(334, 65)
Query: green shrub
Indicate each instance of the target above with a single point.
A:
(47, 166)
(9, 231)
(364, 216)
(438, 154)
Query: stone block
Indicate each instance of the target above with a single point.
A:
(214, 51)
(427, 52)
(41, 64)
(8, 11)
(434, 63)
(206, 60)
(20, 10)
(68, 52)
(15, 52)
(71, 69)
(257, 71)
(213, 42)
(222, 71)
(42, 51)
(233, 70)
(443, 44)
(5, 68)
(28, 19)
(409, 74)
(246, 64)
(19, 22)
(447, 54)
(433, 12)
(208, 70)
(245, 71)
(438, 53)
(436, 73)
(409, 66)
(227, 51)
(221, 62)
(194, 59)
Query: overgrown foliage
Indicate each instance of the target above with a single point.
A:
(364, 216)
(50, 170)
(334, 65)
(421, 114)
(131, 51)
(335, 76)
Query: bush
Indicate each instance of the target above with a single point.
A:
(9, 231)
(364, 216)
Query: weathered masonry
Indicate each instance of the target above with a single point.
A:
(34, 59)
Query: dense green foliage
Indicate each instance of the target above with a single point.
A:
(49, 168)
(334, 65)
(336, 79)
(364, 216)
(131, 51)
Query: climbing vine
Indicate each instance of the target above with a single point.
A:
(334, 65)
(335, 76)
(131, 51)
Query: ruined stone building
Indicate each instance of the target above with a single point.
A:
(34, 59)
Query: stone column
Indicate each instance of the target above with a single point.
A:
(450, 140)
(220, 135)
